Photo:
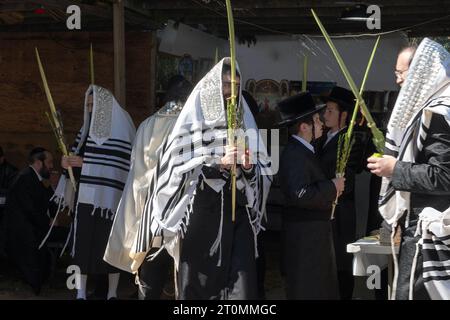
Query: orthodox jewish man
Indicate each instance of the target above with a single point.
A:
(188, 208)
(308, 250)
(151, 275)
(415, 190)
(28, 213)
(337, 114)
(101, 163)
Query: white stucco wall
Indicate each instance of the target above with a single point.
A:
(280, 57)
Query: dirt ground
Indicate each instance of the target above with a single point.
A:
(12, 288)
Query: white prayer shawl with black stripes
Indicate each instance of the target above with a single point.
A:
(434, 227)
(426, 88)
(426, 91)
(106, 161)
(197, 139)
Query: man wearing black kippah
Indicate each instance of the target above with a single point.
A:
(28, 218)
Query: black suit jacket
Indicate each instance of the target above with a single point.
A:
(27, 203)
(309, 193)
(327, 154)
(428, 179)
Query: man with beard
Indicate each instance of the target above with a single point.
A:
(100, 163)
(28, 218)
(374, 219)
(188, 208)
(416, 172)
(404, 60)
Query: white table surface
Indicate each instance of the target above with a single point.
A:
(368, 252)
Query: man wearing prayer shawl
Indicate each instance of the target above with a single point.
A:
(101, 162)
(151, 275)
(415, 191)
(187, 210)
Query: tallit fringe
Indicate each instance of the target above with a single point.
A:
(154, 255)
(175, 282)
(105, 213)
(255, 232)
(61, 207)
(184, 222)
(408, 217)
(106, 217)
(75, 222)
(421, 229)
(394, 257)
(218, 242)
(67, 240)
(60, 202)
(413, 271)
(182, 230)
(255, 223)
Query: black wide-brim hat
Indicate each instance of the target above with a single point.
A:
(343, 97)
(297, 107)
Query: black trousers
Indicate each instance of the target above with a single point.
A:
(228, 274)
(309, 260)
(406, 257)
(261, 267)
(153, 275)
(92, 236)
(344, 231)
(34, 264)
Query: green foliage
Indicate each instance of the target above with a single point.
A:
(345, 144)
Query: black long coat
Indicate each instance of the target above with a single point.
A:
(200, 276)
(27, 223)
(345, 212)
(308, 250)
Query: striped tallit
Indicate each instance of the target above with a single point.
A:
(109, 133)
(426, 91)
(434, 227)
(197, 139)
(428, 79)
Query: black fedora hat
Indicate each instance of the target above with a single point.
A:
(297, 107)
(343, 97)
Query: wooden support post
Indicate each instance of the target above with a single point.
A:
(119, 52)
